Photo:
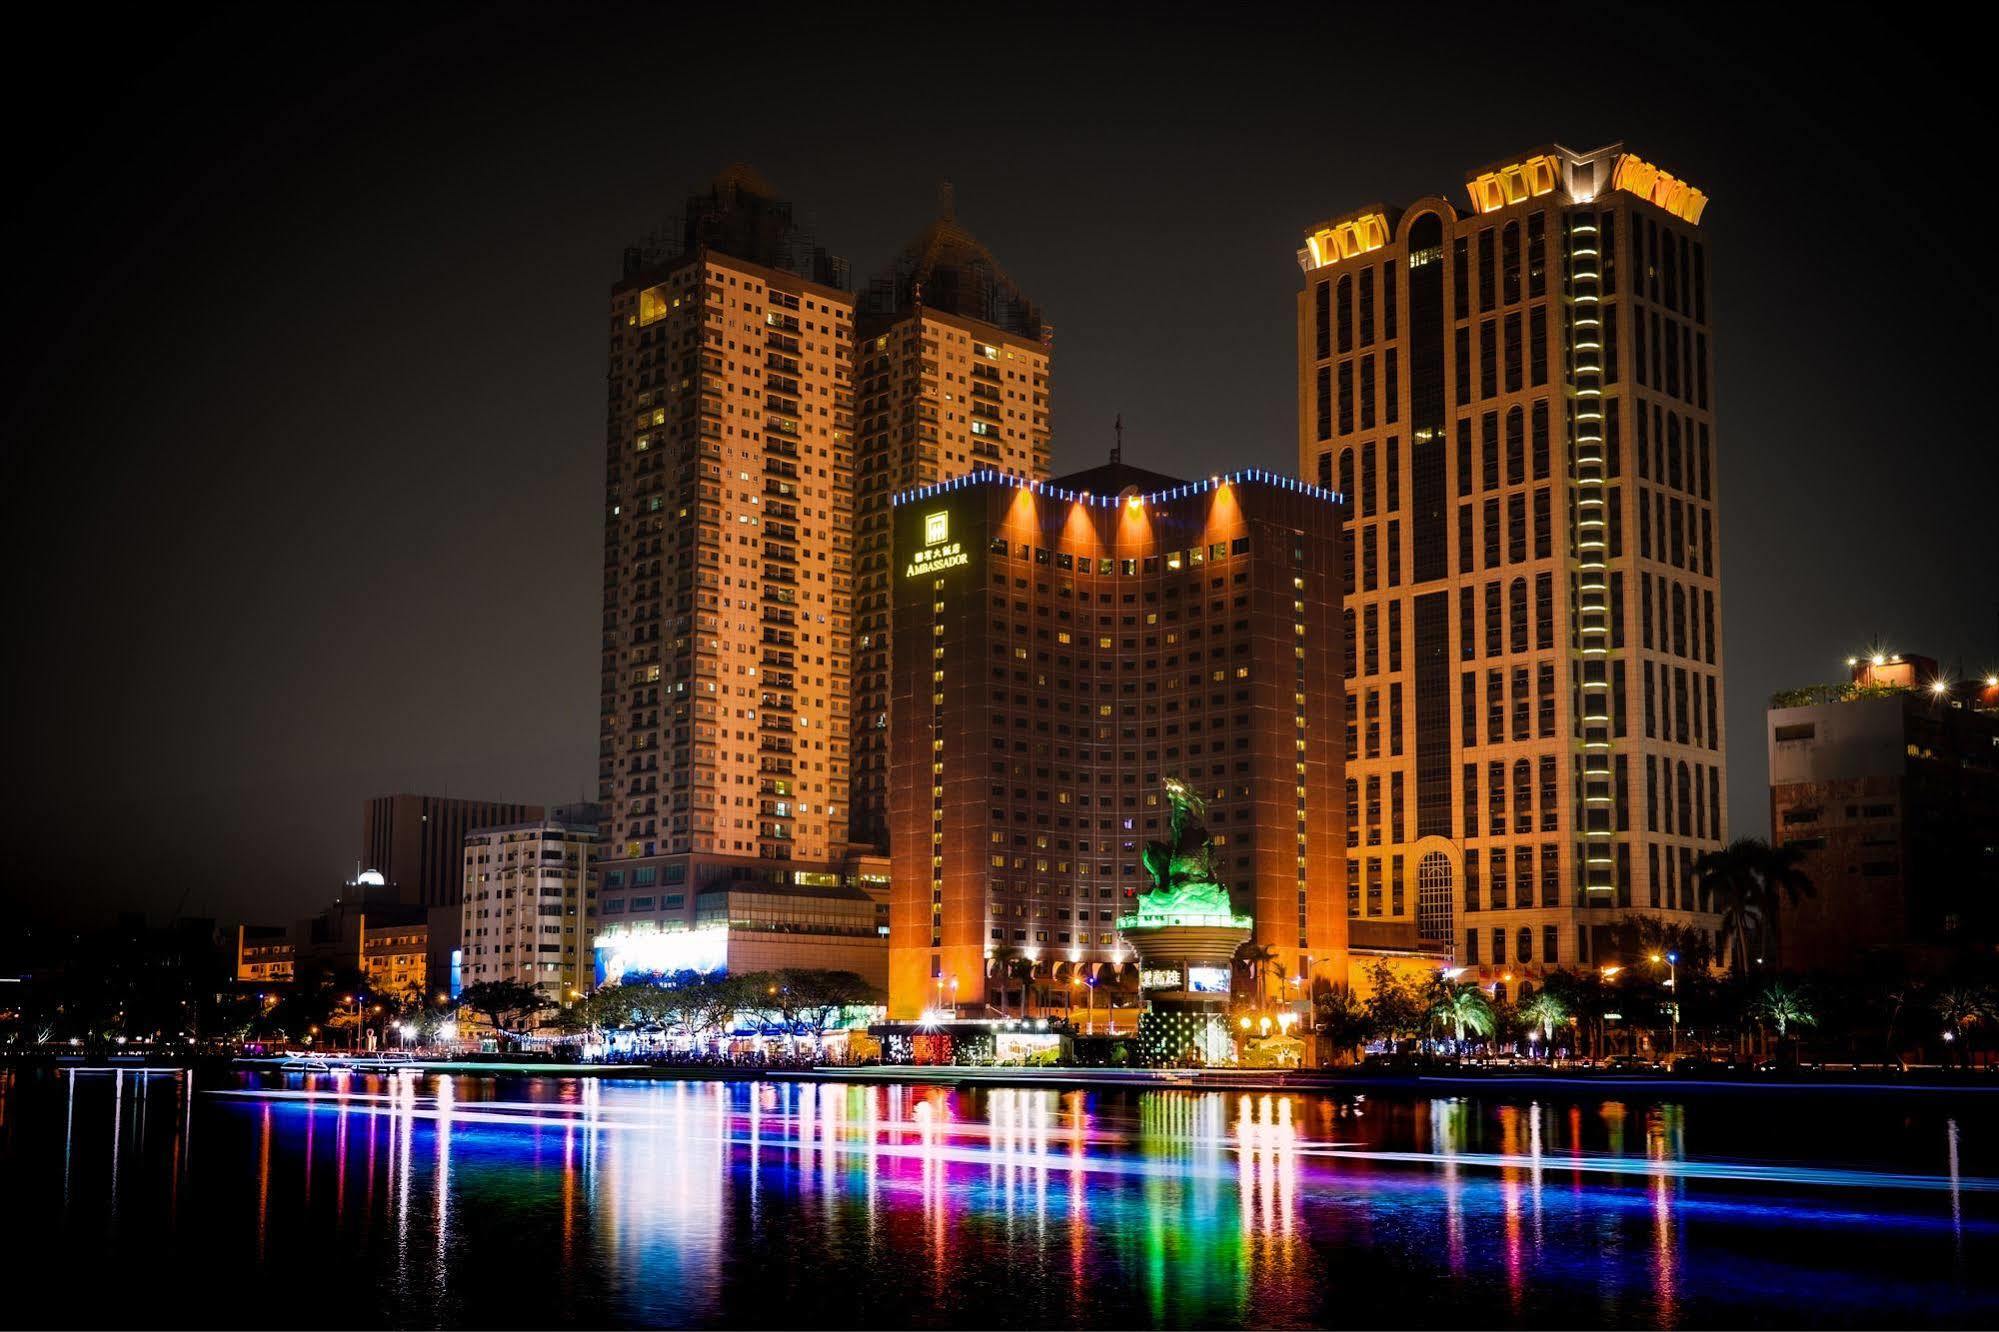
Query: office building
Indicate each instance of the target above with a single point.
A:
(529, 894)
(1515, 391)
(728, 554)
(1889, 785)
(416, 845)
(952, 376)
(1061, 648)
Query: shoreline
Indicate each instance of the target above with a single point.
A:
(1327, 1081)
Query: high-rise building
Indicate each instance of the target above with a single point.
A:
(1515, 393)
(530, 903)
(952, 370)
(1063, 647)
(728, 552)
(1889, 787)
(416, 844)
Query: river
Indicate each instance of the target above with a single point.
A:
(424, 1200)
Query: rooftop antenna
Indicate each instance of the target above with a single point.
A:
(1117, 440)
(947, 202)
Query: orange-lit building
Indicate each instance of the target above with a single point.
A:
(728, 555)
(1514, 388)
(952, 376)
(1060, 648)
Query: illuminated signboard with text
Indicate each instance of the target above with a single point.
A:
(939, 551)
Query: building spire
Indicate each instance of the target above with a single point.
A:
(1117, 440)
(947, 202)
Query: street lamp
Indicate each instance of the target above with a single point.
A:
(1672, 961)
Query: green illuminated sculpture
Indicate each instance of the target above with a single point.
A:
(1184, 887)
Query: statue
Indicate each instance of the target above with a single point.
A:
(1183, 869)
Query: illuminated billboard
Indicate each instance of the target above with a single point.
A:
(660, 952)
(1208, 980)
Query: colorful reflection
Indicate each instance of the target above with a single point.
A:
(502, 1199)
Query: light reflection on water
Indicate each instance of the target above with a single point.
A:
(443, 1200)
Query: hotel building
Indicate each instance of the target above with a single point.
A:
(1516, 392)
(728, 553)
(952, 370)
(529, 901)
(1061, 648)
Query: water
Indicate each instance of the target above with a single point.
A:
(418, 1200)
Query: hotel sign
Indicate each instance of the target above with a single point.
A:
(939, 551)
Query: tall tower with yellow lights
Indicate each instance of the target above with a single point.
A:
(1515, 392)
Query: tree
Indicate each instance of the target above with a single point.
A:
(1783, 1006)
(1729, 886)
(1460, 1005)
(504, 1003)
(823, 997)
(1258, 958)
(1004, 965)
(1781, 883)
(1342, 1019)
(1393, 1008)
(1959, 1006)
(1546, 1010)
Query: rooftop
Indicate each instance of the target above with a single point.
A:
(1080, 487)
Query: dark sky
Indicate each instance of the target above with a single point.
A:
(303, 385)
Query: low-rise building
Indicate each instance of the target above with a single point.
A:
(1889, 784)
(752, 925)
(530, 890)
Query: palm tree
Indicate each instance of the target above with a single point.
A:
(1781, 882)
(1783, 1006)
(1727, 879)
(1004, 965)
(1462, 1006)
(1546, 1011)
(1258, 957)
(1961, 1005)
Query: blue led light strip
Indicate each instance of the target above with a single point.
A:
(1191, 488)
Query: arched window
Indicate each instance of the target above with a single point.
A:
(1435, 898)
(1524, 945)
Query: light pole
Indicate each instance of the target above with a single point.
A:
(1672, 961)
(1091, 981)
(1603, 1033)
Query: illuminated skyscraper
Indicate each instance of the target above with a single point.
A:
(1516, 395)
(1061, 649)
(728, 539)
(953, 368)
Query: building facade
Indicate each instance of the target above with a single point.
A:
(1060, 648)
(1516, 395)
(952, 371)
(529, 898)
(1889, 785)
(745, 927)
(416, 845)
(728, 553)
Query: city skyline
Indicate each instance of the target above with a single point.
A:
(318, 513)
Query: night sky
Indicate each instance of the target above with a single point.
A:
(303, 388)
